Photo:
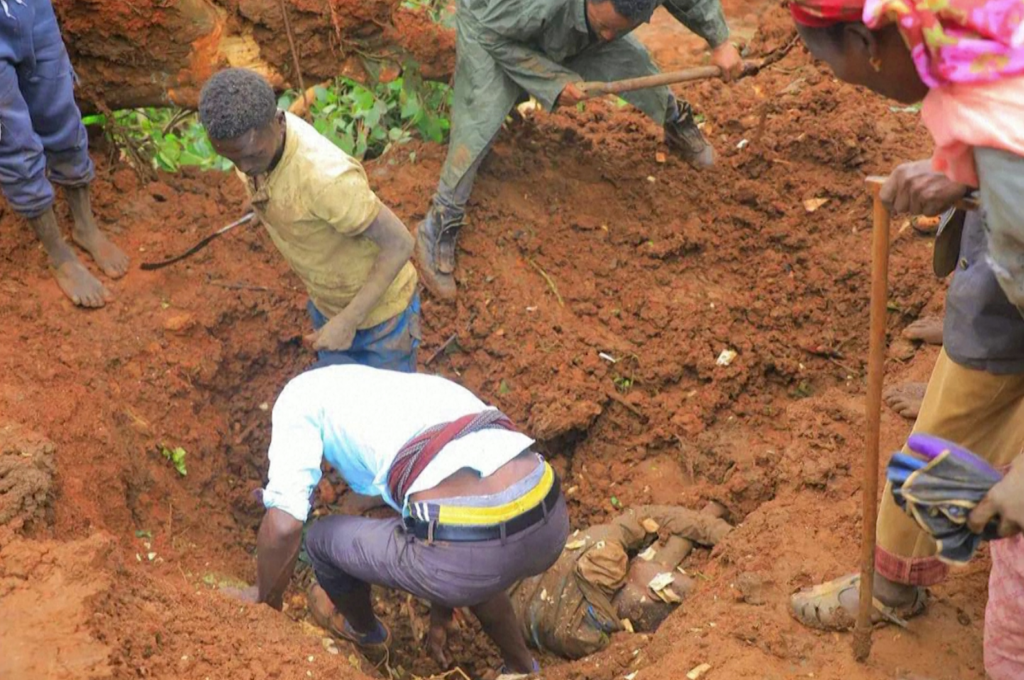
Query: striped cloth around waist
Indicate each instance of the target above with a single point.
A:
(463, 515)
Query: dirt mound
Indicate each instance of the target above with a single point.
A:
(45, 608)
(26, 479)
(155, 53)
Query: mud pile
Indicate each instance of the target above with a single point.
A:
(155, 53)
(600, 283)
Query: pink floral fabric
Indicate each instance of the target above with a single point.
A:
(957, 41)
(1004, 616)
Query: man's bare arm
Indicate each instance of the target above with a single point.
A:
(396, 246)
(277, 547)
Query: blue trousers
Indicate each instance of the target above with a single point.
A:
(40, 125)
(391, 345)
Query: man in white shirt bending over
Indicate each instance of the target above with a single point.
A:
(480, 510)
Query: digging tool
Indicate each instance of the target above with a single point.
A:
(876, 369)
(594, 89)
(245, 219)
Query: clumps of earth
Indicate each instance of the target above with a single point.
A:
(26, 480)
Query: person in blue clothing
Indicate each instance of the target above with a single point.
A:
(43, 142)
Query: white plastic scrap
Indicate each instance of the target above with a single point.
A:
(698, 671)
(726, 357)
(661, 581)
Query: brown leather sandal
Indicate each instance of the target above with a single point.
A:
(821, 606)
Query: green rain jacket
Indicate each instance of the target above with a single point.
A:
(506, 47)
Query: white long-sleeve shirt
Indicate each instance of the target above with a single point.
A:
(358, 418)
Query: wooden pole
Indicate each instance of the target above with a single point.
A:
(876, 370)
(599, 89)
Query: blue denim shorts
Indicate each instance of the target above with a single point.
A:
(391, 345)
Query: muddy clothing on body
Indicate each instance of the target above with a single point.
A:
(507, 47)
(316, 204)
(568, 610)
(40, 125)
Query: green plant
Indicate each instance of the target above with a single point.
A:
(434, 8)
(177, 458)
(167, 139)
(365, 122)
(622, 383)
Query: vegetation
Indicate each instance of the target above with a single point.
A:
(365, 122)
(177, 458)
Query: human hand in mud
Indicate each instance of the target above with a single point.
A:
(336, 335)
(727, 58)
(916, 189)
(442, 622)
(1005, 500)
(250, 594)
(571, 96)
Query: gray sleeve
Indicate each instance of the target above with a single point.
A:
(529, 68)
(703, 17)
(1001, 175)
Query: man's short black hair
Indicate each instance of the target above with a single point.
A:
(634, 10)
(235, 101)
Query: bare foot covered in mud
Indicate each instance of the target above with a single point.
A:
(906, 399)
(927, 330)
(78, 284)
(109, 257)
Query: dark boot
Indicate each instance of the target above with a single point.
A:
(435, 250)
(684, 138)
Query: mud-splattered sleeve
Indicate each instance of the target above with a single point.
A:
(703, 17)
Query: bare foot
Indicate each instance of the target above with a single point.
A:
(927, 330)
(86, 234)
(109, 257)
(906, 399)
(79, 285)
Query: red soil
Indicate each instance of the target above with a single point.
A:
(112, 568)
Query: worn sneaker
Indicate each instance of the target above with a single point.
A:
(685, 138)
(435, 250)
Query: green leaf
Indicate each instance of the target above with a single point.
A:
(144, 533)
(616, 502)
(177, 458)
(503, 387)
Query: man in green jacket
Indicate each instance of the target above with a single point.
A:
(543, 48)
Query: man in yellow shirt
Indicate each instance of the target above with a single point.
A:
(351, 252)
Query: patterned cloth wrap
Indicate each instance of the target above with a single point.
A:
(939, 487)
(417, 453)
(951, 41)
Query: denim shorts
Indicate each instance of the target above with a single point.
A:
(391, 345)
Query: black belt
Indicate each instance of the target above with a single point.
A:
(455, 533)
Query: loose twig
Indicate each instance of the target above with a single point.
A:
(551, 283)
(629, 407)
(447, 343)
(295, 53)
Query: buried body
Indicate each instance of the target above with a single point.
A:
(595, 587)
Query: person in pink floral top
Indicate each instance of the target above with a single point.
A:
(964, 60)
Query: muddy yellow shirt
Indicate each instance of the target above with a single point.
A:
(316, 204)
